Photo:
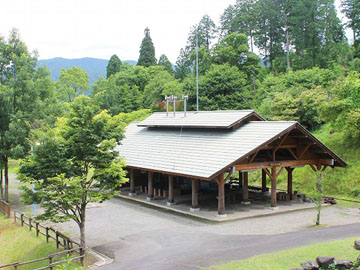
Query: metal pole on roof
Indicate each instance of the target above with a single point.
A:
(197, 70)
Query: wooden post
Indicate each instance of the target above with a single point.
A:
(171, 190)
(29, 223)
(273, 187)
(246, 187)
(240, 179)
(37, 228)
(15, 216)
(47, 234)
(22, 219)
(194, 194)
(50, 262)
(150, 185)
(57, 239)
(290, 191)
(221, 195)
(132, 182)
(263, 181)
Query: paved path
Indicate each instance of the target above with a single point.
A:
(142, 238)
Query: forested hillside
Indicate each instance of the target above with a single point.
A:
(287, 59)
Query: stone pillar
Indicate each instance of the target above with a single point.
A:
(150, 186)
(194, 195)
(132, 183)
(273, 188)
(290, 191)
(263, 180)
(245, 199)
(171, 191)
(221, 195)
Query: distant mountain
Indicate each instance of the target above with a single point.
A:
(94, 67)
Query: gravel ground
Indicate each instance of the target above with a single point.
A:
(138, 237)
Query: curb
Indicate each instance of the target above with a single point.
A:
(101, 259)
(202, 218)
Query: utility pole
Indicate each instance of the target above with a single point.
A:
(197, 70)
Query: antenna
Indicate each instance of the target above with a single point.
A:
(197, 70)
(167, 98)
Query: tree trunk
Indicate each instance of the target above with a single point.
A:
(6, 166)
(287, 48)
(82, 230)
(1, 185)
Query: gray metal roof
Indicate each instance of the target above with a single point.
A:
(195, 152)
(202, 119)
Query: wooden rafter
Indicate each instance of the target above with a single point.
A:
(282, 141)
(284, 163)
(312, 167)
(283, 146)
(292, 153)
(253, 157)
(305, 149)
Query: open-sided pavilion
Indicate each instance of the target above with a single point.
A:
(209, 145)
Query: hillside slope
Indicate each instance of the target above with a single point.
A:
(94, 67)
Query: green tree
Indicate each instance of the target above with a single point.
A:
(205, 32)
(147, 51)
(351, 9)
(183, 64)
(113, 66)
(75, 164)
(72, 82)
(234, 49)
(223, 87)
(161, 83)
(164, 61)
(22, 89)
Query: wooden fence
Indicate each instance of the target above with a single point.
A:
(50, 258)
(60, 239)
(5, 208)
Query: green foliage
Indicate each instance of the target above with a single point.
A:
(68, 265)
(223, 87)
(113, 66)
(75, 164)
(72, 82)
(147, 51)
(351, 9)
(164, 61)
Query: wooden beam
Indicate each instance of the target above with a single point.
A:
(289, 182)
(277, 147)
(254, 155)
(246, 187)
(267, 172)
(273, 187)
(283, 163)
(292, 153)
(278, 173)
(150, 185)
(221, 195)
(263, 180)
(305, 149)
(312, 167)
(194, 194)
(132, 181)
(171, 189)
(282, 141)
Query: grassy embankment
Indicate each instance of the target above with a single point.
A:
(284, 260)
(17, 244)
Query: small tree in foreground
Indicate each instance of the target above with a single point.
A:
(75, 164)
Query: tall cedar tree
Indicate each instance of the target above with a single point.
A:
(113, 66)
(147, 51)
(75, 164)
(351, 9)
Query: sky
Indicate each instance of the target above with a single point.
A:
(101, 28)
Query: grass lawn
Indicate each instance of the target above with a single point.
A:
(284, 260)
(17, 244)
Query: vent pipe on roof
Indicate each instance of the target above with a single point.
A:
(185, 97)
(174, 100)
